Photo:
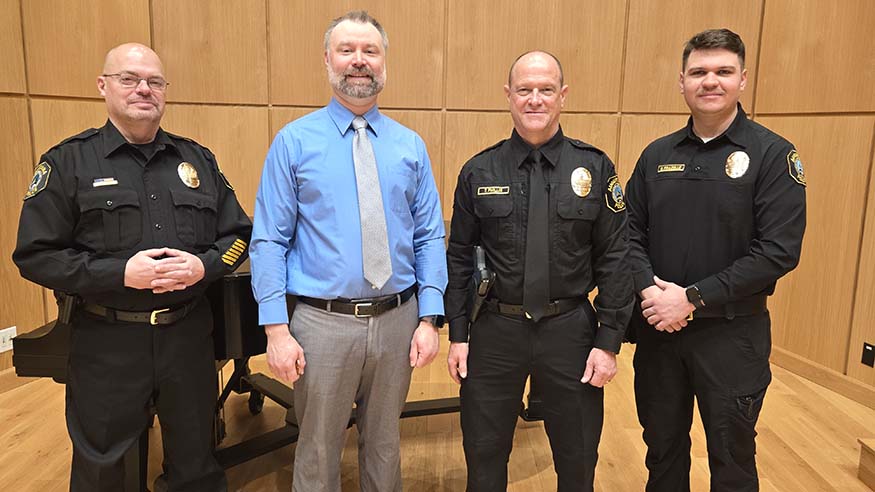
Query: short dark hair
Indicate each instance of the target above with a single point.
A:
(714, 39)
(361, 17)
(551, 55)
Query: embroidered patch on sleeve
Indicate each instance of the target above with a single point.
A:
(40, 179)
(234, 253)
(794, 164)
(614, 195)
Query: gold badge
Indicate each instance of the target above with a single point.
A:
(581, 181)
(671, 168)
(40, 179)
(188, 175)
(614, 195)
(493, 190)
(795, 165)
(737, 164)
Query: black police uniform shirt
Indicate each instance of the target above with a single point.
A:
(96, 200)
(588, 240)
(727, 215)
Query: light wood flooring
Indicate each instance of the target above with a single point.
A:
(807, 441)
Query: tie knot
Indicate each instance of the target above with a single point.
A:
(535, 157)
(359, 122)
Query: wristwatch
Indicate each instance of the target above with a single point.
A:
(437, 321)
(695, 297)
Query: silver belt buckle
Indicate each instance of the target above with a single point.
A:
(357, 306)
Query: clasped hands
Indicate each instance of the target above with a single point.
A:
(163, 270)
(665, 306)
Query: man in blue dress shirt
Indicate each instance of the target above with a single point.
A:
(358, 340)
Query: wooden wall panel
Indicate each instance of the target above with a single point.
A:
(237, 135)
(56, 119)
(467, 133)
(67, 41)
(11, 48)
(636, 133)
(655, 42)
(812, 305)
(863, 327)
(21, 303)
(485, 37)
(415, 60)
(213, 51)
(817, 57)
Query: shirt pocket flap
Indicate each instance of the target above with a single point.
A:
(493, 206)
(108, 199)
(184, 198)
(578, 209)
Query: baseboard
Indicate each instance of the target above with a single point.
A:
(9, 381)
(824, 376)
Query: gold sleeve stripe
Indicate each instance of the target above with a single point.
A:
(236, 248)
(234, 252)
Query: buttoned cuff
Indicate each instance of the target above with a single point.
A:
(643, 279)
(459, 329)
(712, 292)
(431, 303)
(273, 311)
(609, 339)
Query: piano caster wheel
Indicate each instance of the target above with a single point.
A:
(256, 402)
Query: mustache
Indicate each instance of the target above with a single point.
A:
(358, 72)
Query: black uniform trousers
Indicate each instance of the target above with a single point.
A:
(116, 369)
(724, 364)
(503, 351)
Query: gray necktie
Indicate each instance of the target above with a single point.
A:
(375, 242)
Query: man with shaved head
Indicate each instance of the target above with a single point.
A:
(128, 224)
(549, 213)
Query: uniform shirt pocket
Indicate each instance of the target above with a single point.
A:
(576, 217)
(195, 216)
(110, 219)
(497, 222)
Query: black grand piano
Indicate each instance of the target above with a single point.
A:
(237, 337)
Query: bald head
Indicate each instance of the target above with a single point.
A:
(133, 85)
(537, 58)
(130, 52)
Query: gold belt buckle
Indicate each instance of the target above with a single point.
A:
(690, 316)
(153, 318)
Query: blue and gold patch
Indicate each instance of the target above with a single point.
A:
(234, 253)
(614, 195)
(40, 179)
(794, 164)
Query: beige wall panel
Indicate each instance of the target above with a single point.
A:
(213, 51)
(636, 133)
(21, 303)
(426, 123)
(11, 52)
(238, 136)
(863, 329)
(467, 133)
(68, 40)
(812, 305)
(415, 61)
(817, 57)
(655, 41)
(485, 37)
(56, 119)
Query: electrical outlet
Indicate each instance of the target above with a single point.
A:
(6, 336)
(868, 354)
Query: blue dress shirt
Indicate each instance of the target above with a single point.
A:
(306, 238)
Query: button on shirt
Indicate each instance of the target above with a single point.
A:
(106, 199)
(587, 238)
(307, 233)
(727, 215)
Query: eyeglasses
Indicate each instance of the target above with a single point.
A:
(129, 80)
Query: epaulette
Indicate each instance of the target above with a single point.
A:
(191, 141)
(491, 147)
(81, 136)
(580, 144)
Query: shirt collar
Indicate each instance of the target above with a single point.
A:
(342, 117)
(551, 150)
(114, 140)
(736, 132)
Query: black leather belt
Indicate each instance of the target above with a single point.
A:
(730, 310)
(558, 306)
(361, 308)
(164, 316)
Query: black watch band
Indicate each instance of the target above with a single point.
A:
(695, 297)
(436, 320)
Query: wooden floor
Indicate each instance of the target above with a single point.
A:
(807, 441)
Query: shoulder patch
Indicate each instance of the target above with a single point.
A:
(794, 165)
(40, 179)
(614, 195)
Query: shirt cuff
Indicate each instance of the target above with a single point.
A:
(273, 311)
(459, 329)
(609, 339)
(643, 279)
(712, 292)
(431, 303)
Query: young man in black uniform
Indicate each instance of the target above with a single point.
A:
(716, 214)
(549, 213)
(135, 223)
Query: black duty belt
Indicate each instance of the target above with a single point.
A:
(361, 308)
(746, 307)
(163, 316)
(558, 306)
